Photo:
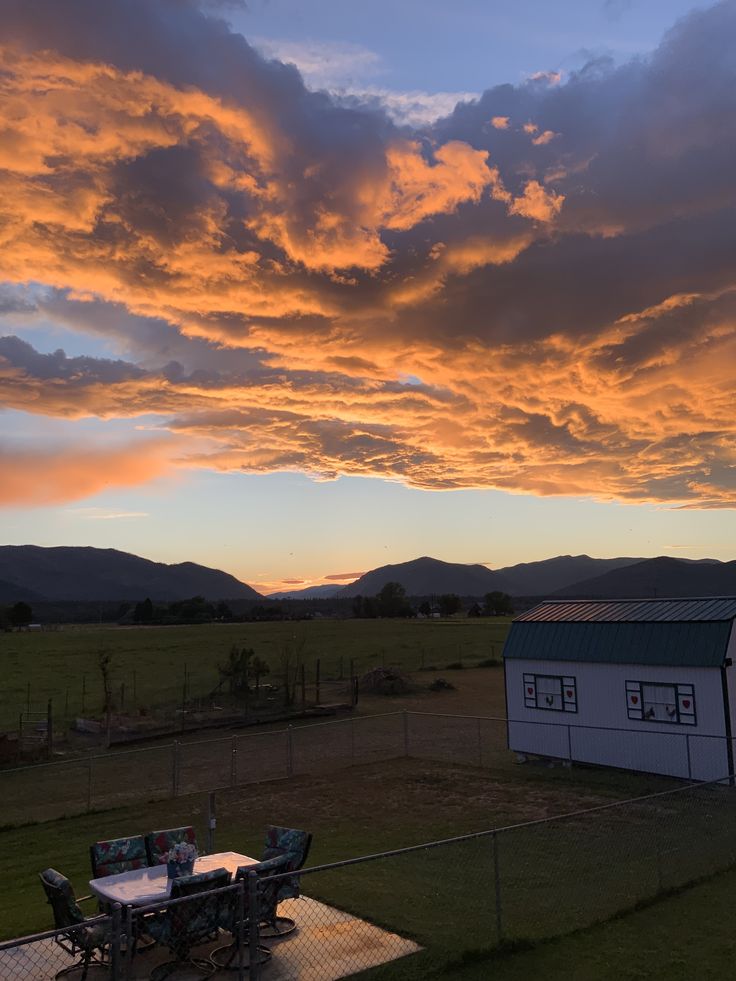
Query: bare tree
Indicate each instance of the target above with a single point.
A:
(104, 663)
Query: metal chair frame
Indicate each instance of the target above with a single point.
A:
(274, 927)
(182, 914)
(76, 937)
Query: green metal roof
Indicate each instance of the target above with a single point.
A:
(694, 644)
(615, 610)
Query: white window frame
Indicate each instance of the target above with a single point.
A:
(568, 693)
(683, 703)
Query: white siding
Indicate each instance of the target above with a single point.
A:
(601, 731)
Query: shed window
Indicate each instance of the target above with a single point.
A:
(554, 693)
(654, 701)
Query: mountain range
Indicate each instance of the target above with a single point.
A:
(33, 574)
(431, 577)
(663, 576)
(565, 575)
(36, 574)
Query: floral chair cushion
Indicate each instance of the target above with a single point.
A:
(158, 843)
(75, 934)
(61, 898)
(118, 855)
(268, 890)
(293, 843)
(184, 925)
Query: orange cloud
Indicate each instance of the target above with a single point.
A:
(32, 479)
(538, 203)
(300, 285)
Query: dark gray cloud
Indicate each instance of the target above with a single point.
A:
(552, 262)
(44, 367)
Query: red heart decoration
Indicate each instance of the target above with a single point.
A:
(568, 693)
(634, 699)
(530, 690)
(686, 703)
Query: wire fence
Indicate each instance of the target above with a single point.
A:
(80, 785)
(404, 913)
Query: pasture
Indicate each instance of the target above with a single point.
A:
(678, 938)
(354, 811)
(154, 662)
(554, 878)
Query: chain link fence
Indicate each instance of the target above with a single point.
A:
(404, 913)
(64, 789)
(52, 790)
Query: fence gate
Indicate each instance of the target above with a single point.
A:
(35, 729)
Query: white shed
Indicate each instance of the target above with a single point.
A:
(639, 684)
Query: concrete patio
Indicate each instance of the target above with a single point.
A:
(328, 944)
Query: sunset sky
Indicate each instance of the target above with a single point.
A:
(296, 288)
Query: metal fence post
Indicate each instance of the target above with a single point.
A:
(234, 761)
(50, 731)
(289, 752)
(89, 785)
(658, 852)
(175, 768)
(129, 942)
(241, 931)
(497, 888)
(254, 916)
(115, 944)
(211, 822)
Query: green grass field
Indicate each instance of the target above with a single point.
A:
(356, 811)
(151, 660)
(679, 938)
(555, 878)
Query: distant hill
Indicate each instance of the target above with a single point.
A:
(563, 575)
(12, 593)
(427, 577)
(75, 573)
(309, 592)
(663, 576)
(550, 575)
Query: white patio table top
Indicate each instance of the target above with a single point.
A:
(140, 887)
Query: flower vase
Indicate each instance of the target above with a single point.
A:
(174, 870)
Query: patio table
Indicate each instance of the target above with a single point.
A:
(142, 887)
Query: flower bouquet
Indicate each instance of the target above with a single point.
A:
(180, 860)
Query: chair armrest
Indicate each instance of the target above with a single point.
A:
(272, 866)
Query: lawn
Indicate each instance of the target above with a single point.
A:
(423, 723)
(153, 662)
(554, 877)
(678, 938)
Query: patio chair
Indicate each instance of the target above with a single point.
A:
(158, 843)
(295, 845)
(120, 855)
(186, 925)
(89, 942)
(226, 957)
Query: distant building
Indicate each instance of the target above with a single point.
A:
(644, 685)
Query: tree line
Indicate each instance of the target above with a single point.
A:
(15, 617)
(392, 601)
